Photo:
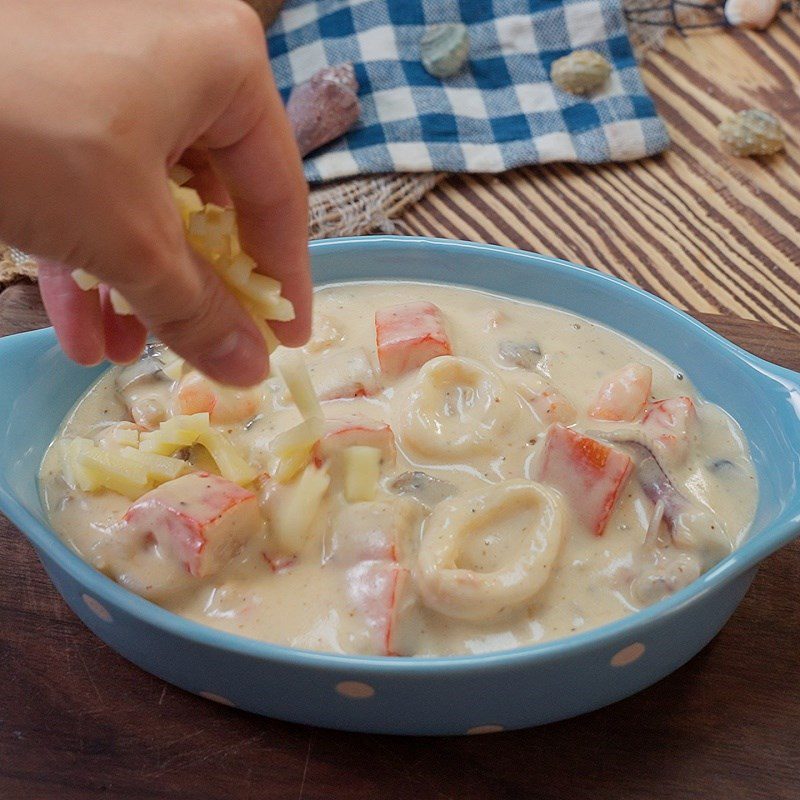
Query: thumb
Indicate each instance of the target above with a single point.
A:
(201, 320)
(182, 301)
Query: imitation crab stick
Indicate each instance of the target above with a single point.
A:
(408, 335)
(373, 531)
(590, 474)
(378, 592)
(200, 519)
(369, 540)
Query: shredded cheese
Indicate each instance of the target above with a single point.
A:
(184, 430)
(180, 174)
(120, 305)
(298, 382)
(362, 469)
(125, 470)
(85, 280)
(295, 513)
(291, 450)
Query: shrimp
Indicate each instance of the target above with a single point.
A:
(196, 394)
(550, 406)
(623, 394)
(669, 426)
(589, 474)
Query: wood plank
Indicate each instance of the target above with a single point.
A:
(77, 722)
(698, 227)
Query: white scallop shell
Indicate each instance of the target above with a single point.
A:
(755, 14)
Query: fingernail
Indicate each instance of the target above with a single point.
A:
(239, 358)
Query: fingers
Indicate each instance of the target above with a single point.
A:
(209, 329)
(75, 314)
(260, 167)
(85, 323)
(125, 336)
(138, 244)
(204, 180)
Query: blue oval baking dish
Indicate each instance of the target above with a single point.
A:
(453, 695)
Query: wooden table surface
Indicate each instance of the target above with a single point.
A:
(705, 231)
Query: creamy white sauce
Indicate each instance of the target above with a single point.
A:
(484, 432)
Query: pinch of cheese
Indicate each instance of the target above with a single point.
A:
(120, 305)
(212, 232)
(84, 279)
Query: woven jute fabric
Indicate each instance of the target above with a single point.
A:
(15, 265)
(367, 204)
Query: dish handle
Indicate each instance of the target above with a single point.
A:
(780, 479)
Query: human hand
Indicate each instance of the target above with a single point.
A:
(100, 98)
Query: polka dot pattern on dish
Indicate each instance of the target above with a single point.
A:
(96, 607)
(479, 729)
(216, 698)
(355, 690)
(628, 655)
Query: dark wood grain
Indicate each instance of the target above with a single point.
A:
(77, 722)
(21, 309)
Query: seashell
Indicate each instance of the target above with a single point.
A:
(754, 14)
(752, 133)
(580, 72)
(444, 49)
(324, 108)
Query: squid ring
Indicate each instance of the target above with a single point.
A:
(475, 595)
(457, 408)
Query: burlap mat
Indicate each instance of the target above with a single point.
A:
(367, 204)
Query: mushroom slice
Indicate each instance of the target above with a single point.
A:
(425, 489)
(524, 355)
(154, 358)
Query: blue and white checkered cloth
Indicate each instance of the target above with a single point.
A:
(500, 112)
